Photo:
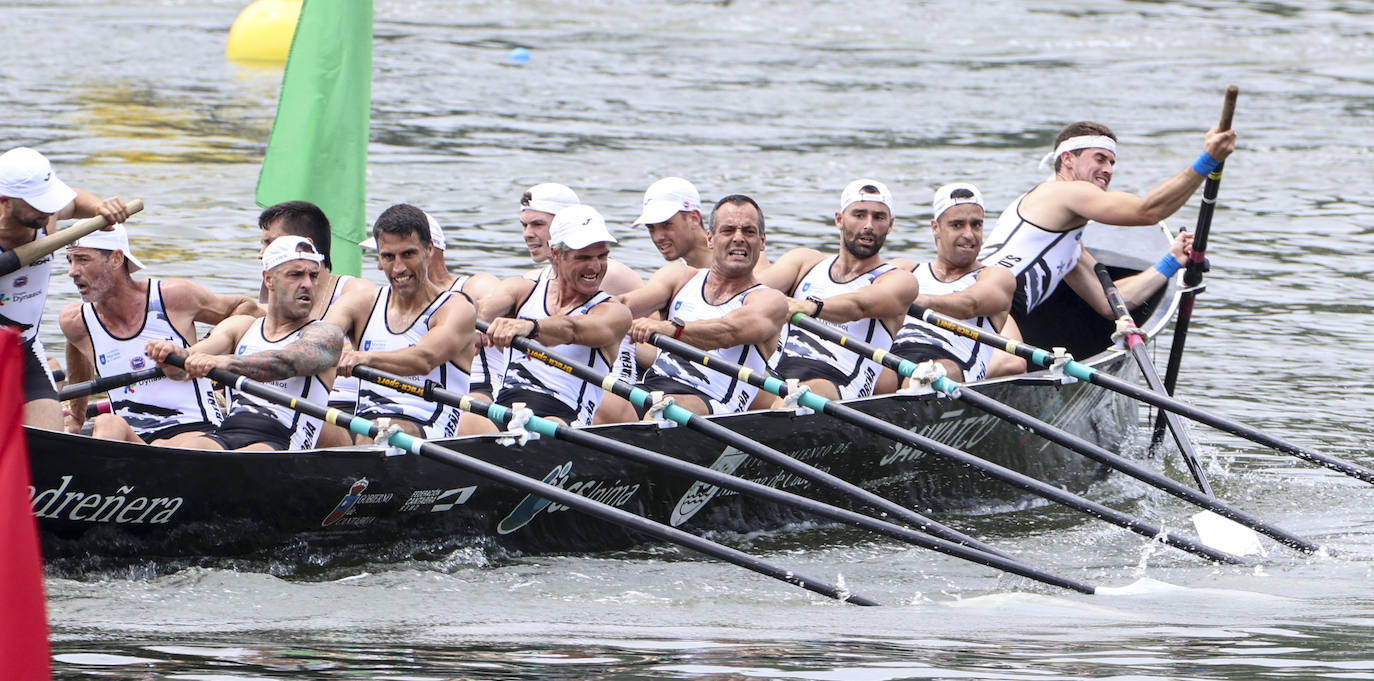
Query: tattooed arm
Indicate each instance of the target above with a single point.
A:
(316, 351)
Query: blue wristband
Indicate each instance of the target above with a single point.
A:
(1168, 266)
(1205, 164)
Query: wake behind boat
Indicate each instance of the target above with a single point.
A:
(100, 503)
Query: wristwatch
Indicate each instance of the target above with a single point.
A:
(678, 326)
(819, 304)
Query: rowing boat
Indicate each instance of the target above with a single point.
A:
(100, 503)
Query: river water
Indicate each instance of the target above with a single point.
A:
(786, 100)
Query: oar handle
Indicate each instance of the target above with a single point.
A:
(22, 256)
(104, 383)
(1228, 107)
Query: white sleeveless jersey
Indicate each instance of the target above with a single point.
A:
(158, 403)
(860, 374)
(1038, 257)
(23, 293)
(436, 420)
(526, 373)
(305, 430)
(489, 363)
(345, 387)
(973, 357)
(689, 305)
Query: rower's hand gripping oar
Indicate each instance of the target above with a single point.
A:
(106, 383)
(25, 254)
(1081, 371)
(672, 412)
(526, 484)
(503, 415)
(1192, 275)
(950, 388)
(811, 400)
(1125, 326)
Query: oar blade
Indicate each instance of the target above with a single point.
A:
(1227, 535)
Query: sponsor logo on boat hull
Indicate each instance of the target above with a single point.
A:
(121, 507)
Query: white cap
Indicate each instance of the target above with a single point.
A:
(549, 197)
(115, 239)
(579, 226)
(666, 198)
(26, 174)
(436, 236)
(944, 200)
(854, 193)
(284, 249)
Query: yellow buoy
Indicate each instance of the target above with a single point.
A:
(263, 31)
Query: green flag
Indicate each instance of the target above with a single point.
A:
(318, 148)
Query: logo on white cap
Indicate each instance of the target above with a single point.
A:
(26, 174)
(666, 198)
(865, 189)
(945, 198)
(579, 226)
(113, 239)
(548, 197)
(284, 249)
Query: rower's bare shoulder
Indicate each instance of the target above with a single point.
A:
(620, 279)
(903, 264)
(69, 319)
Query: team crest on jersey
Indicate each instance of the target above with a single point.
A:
(676, 304)
(137, 362)
(805, 286)
(109, 357)
(21, 281)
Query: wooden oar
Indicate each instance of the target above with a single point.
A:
(105, 383)
(502, 415)
(1192, 275)
(642, 398)
(1054, 434)
(526, 484)
(23, 255)
(822, 404)
(1083, 372)
(1136, 346)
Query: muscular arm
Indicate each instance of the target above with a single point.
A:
(502, 299)
(757, 322)
(189, 300)
(887, 298)
(990, 296)
(315, 351)
(221, 340)
(656, 294)
(787, 271)
(604, 325)
(79, 366)
(88, 205)
(449, 339)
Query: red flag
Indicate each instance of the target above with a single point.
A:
(23, 623)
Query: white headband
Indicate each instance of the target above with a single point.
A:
(1076, 143)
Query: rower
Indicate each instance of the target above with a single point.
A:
(956, 284)
(305, 219)
(671, 213)
(1039, 237)
(537, 207)
(287, 348)
(855, 290)
(32, 201)
(565, 310)
(488, 364)
(107, 332)
(723, 308)
(413, 327)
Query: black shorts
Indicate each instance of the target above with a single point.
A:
(668, 386)
(246, 428)
(804, 369)
(920, 352)
(38, 383)
(172, 431)
(539, 403)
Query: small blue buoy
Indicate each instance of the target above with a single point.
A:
(518, 55)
